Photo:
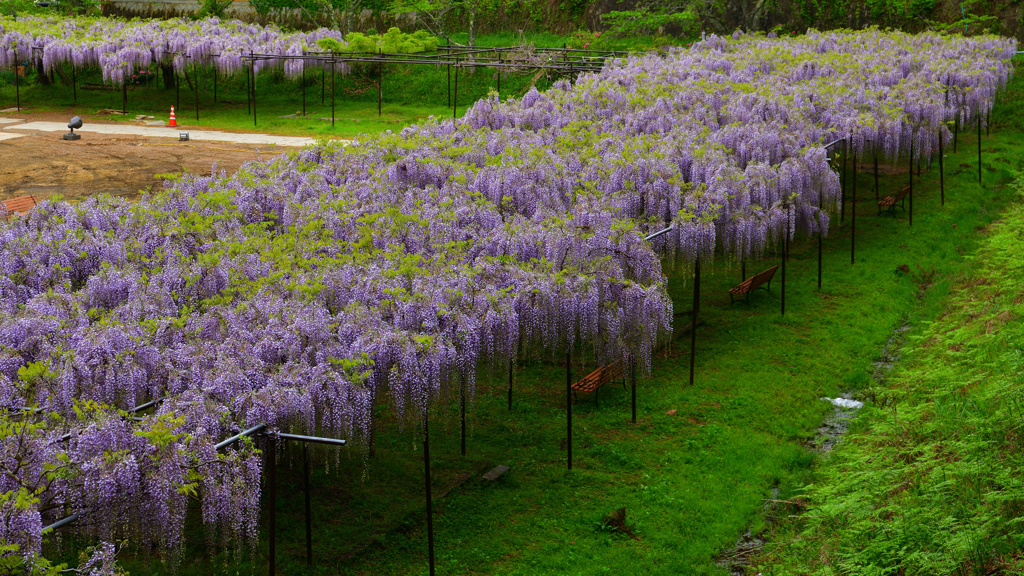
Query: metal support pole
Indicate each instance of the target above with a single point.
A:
(842, 184)
(979, 147)
(323, 84)
(568, 391)
(17, 84)
(195, 72)
(910, 161)
(426, 478)
(272, 495)
(124, 94)
(942, 177)
(821, 203)
(455, 101)
(956, 132)
(693, 322)
(334, 65)
(876, 171)
(634, 391)
(215, 81)
(853, 213)
(248, 94)
(252, 63)
(499, 76)
(743, 270)
(380, 82)
(785, 256)
(462, 412)
(303, 88)
(309, 515)
(449, 67)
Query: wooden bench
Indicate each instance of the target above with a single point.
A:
(19, 205)
(597, 379)
(759, 280)
(890, 201)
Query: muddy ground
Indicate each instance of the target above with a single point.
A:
(42, 164)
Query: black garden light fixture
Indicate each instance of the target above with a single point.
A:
(75, 122)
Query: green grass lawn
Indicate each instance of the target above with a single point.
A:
(695, 470)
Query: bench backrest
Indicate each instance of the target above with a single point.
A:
(19, 205)
(762, 277)
(902, 193)
(613, 370)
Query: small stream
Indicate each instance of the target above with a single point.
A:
(844, 409)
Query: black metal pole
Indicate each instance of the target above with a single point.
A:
(499, 76)
(942, 178)
(426, 478)
(821, 204)
(323, 84)
(842, 186)
(252, 62)
(215, 81)
(449, 67)
(785, 255)
(309, 515)
(979, 147)
(195, 71)
(272, 490)
(876, 171)
(380, 82)
(124, 95)
(248, 94)
(910, 213)
(568, 389)
(303, 88)
(853, 213)
(455, 101)
(334, 65)
(462, 412)
(743, 270)
(693, 321)
(956, 132)
(17, 84)
(634, 390)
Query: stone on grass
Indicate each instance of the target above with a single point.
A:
(496, 472)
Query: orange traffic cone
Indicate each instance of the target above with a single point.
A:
(172, 123)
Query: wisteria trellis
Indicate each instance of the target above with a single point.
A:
(296, 290)
(121, 48)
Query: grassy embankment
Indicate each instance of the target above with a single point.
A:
(692, 480)
(410, 94)
(929, 481)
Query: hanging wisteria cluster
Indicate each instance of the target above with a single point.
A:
(297, 292)
(121, 48)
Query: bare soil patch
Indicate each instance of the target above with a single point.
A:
(42, 164)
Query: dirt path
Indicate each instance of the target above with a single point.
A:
(42, 164)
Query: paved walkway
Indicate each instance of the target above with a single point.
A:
(8, 124)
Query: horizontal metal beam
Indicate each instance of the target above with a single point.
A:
(66, 521)
(834, 142)
(237, 437)
(314, 439)
(658, 233)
